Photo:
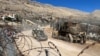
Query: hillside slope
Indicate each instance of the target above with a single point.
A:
(29, 9)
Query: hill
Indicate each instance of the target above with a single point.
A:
(31, 10)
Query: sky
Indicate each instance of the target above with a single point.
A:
(83, 5)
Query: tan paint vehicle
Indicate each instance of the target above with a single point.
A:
(69, 31)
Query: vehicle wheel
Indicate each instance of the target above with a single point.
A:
(67, 38)
(54, 35)
(82, 40)
(70, 38)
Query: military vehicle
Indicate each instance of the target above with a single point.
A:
(39, 35)
(68, 31)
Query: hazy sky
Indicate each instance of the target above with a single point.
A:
(83, 5)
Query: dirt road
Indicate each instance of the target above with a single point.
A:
(66, 48)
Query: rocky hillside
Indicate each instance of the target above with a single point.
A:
(31, 9)
(96, 13)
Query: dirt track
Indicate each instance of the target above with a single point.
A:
(66, 48)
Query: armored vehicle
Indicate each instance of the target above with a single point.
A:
(68, 31)
(39, 35)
